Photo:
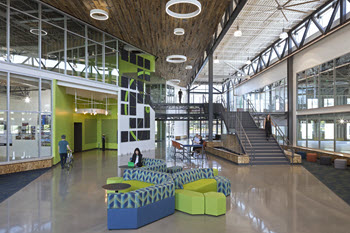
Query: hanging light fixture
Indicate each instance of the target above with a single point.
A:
(183, 16)
(248, 62)
(283, 35)
(99, 14)
(237, 33)
(216, 60)
(27, 99)
(179, 31)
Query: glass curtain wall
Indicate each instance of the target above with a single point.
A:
(25, 117)
(326, 131)
(271, 98)
(325, 85)
(44, 38)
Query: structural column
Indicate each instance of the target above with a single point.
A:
(211, 107)
(290, 86)
(188, 112)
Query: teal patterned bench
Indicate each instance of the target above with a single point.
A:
(154, 165)
(188, 176)
(140, 207)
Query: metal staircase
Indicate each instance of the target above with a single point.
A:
(267, 152)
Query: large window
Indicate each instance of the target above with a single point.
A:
(271, 98)
(25, 118)
(325, 85)
(44, 38)
(326, 131)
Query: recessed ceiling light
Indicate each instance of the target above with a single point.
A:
(99, 14)
(35, 31)
(237, 33)
(183, 16)
(176, 58)
(27, 100)
(179, 31)
(189, 67)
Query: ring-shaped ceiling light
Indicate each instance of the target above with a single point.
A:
(183, 16)
(179, 31)
(175, 81)
(176, 58)
(36, 31)
(99, 14)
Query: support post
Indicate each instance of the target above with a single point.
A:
(211, 109)
(290, 89)
(188, 111)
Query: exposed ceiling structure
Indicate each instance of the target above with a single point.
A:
(145, 24)
(261, 23)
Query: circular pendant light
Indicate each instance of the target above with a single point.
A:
(99, 14)
(36, 31)
(189, 67)
(237, 33)
(176, 58)
(183, 16)
(179, 31)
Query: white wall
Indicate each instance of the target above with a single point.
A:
(270, 76)
(125, 148)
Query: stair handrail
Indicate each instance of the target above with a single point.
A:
(241, 133)
(279, 132)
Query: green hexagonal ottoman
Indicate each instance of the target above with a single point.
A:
(215, 203)
(189, 201)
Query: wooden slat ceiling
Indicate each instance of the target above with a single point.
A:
(145, 24)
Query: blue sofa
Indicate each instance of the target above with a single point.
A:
(137, 208)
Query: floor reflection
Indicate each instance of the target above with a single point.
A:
(273, 199)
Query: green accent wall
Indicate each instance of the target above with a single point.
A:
(64, 118)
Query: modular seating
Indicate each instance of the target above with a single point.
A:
(154, 165)
(193, 185)
(140, 206)
(202, 180)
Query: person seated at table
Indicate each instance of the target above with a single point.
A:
(137, 158)
(196, 139)
(198, 142)
(201, 142)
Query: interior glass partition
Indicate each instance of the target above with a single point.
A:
(25, 117)
(45, 38)
(329, 132)
(325, 85)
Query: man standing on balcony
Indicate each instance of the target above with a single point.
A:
(180, 96)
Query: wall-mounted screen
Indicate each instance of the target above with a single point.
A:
(133, 58)
(132, 84)
(132, 103)
(133, 136)
(125, 96)
(125, 55)
(124, 82)
(139, 123)
(132, 123)
(147, 64)
(140, 61)
(124, 136)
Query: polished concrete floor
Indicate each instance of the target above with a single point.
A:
(281, 199)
